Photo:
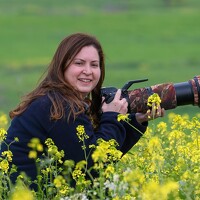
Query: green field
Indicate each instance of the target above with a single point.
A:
(141, 39)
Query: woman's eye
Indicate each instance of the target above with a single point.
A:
(95, 65)
(78, 63)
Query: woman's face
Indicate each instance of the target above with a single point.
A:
(84, 71)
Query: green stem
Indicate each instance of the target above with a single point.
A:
(101, 182)
(134, 127)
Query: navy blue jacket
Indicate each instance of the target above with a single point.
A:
(35, 123)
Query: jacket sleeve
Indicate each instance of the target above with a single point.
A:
(64, 134)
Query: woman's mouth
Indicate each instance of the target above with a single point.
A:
(84, 80)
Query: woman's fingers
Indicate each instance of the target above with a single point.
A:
(159, 112)
(117, 105)
(117, 95)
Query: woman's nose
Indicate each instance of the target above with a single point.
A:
(87, 69)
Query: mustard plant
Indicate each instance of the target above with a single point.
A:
(162, 165)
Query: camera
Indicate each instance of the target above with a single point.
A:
(109, 92)
(171, 94)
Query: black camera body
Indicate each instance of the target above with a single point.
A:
(109, 92)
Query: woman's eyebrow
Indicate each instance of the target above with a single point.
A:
(84, 60)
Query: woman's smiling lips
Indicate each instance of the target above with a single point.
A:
(84, 80)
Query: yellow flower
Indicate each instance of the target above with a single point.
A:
(122, 117)
(4, 166)
(53, 150)
(39, 147)
(154, 191)
(106, 151)
(154, 143)
(3, 134)
(196, 122)
(77, 173)
(109, 170)
(176, 136)
(49, 142)
(16, 139)
(32, 154)
(3, 120)
(8, 155)
(64, 190)
(81, 164)
(69, 163)
(134, 177)
(35, 144)
(162, 127)
(81, 133)
(22, 192)
(59, 181)
(180, 122)
(154, 100)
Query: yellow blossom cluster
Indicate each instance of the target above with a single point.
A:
(4, 166)
(154, 101)
(122, 117)
(3, 134)
(35, 146)
(53, 151)
(61, 184)
(81, 132)
(106, 151)
(164, 164)
(167, 161)
(21, 192)
(3, 120)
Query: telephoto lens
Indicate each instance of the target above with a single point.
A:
(172, 95)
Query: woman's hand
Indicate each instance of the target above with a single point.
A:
(150, 115)
(117, 105)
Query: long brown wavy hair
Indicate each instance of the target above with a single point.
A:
(58, 89)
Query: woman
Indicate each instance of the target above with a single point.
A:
(69, 96)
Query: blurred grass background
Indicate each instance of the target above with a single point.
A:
(154, 39)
